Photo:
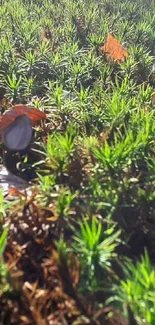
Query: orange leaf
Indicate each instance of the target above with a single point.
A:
(34, 114)
(15, 192)
(114, 50)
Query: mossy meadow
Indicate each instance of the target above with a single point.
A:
(77, 246)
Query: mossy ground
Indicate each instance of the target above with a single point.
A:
(73, 242)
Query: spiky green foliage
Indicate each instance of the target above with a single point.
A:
(4, 275)
(96, 249)
(137, 290)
